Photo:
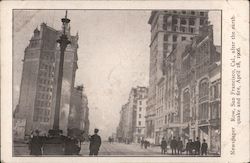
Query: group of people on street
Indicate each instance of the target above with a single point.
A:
(145, 144)
(37, 143)
(196, 148)
(111, 140)
(192, 147)
(71, 146)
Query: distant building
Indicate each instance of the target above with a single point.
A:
(39, 79)
(123, 127)
(141, 105)
(132, 122)
(168, 28)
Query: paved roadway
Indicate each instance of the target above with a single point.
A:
(107, 149)
(121, 149)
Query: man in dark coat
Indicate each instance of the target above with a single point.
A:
(188, 147)
(197, 145)
(142, 142)
(95, 143)
(204, 147)
(192, 147)
(173, 145)
(163, 146)
(35, 144)
(179, 146)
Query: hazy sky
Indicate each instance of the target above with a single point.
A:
(113, 55)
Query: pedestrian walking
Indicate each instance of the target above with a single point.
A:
(146, 144)
(173, 145)
(142, 142)
(35, 144)
(95, 143)
(179, 146)
(204, 147)
(163, 146)
(110, 140)
(189, 147)
(197, 145)
(192, 147)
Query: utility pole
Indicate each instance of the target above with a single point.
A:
(63, 41)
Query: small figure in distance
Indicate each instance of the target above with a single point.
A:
(142, 142)
(163, 146)
(179, 146)
(173, 145)
(204, 147)
(197, 145)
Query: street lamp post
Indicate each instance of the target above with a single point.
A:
(63, 41)
(55, 143)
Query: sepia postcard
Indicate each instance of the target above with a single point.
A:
(125, 81)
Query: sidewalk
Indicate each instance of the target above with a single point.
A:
(157, 149)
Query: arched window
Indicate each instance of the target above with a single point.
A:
(203, 88)
(203, 99)
(186, 105)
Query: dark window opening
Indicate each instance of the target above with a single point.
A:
(174, 38)
(183, 22)
(175, 21)
(191, 22)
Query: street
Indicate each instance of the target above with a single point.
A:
(121, 149)
(107, 149)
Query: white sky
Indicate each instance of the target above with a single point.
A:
(113, 55)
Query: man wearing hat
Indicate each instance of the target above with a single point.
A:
(35, 144)
(95, 143)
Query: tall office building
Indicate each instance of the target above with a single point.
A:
(132, 121)
(36, 104)
(168, 28)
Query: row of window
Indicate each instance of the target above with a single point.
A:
(47, 67)
(50, 58)
(192, 12)
(45, 88)
(167, 38)
(159, 111)
(169, 118)
(215, 91)
(203, 111)
(41, 115)
(45, 74)
(43, 103)
(42, 111)
(45, 81)
(42, 95)
(159, 122)
(41, 119)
